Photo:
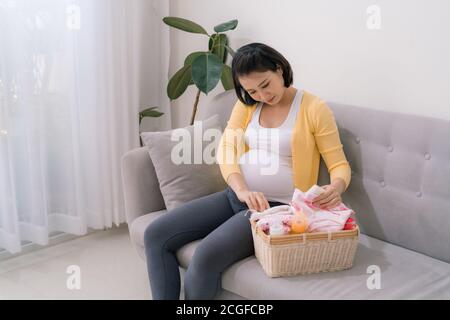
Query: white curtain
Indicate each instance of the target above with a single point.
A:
(72, 77)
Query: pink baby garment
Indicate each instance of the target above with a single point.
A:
(320, 220)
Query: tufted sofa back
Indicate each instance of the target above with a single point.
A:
(400, 164)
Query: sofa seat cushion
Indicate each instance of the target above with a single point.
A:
(405, 274)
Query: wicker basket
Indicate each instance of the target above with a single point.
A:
(296, 254)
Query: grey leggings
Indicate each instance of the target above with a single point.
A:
(220, 219)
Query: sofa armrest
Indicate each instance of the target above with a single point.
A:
(140, 184)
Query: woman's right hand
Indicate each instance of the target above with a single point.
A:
(254, 200)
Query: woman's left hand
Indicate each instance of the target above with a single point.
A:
(329, 199)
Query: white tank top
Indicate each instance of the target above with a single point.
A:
(267, 166)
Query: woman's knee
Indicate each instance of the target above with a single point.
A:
(202, 279)
(208, 259)
(202, 261)
(155, 234)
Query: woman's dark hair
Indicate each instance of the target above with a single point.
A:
(257, 57)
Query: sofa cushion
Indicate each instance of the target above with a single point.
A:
(182, 182)
(405, 274)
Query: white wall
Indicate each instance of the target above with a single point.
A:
(403, 66)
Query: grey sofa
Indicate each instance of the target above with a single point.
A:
(400, 191)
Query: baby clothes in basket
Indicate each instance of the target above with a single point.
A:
(320, 220)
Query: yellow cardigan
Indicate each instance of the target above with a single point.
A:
(315, 133)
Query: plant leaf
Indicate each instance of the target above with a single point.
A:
(179, 82)
(151, 108)
(206, 71)
(227, 78)
(191, 57)
(154, 114)
(188, 61)
(220, 41)
(229, 25)
(150, 112)
(185, 25)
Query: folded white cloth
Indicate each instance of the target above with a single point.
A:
(277, 210)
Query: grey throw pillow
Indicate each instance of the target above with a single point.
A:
(183, 175)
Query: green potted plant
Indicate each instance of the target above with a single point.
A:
(203, 69)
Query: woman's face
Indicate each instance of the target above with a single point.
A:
(267, 87)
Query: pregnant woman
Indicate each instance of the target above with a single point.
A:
(272, 144)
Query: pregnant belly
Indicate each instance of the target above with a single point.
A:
(267, 172)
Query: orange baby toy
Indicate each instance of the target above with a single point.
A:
(299, 222)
